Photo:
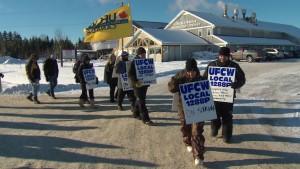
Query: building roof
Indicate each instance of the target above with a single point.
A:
(221, 21)
(253, 41)
(169, 37)
(148, 24)
(165, 36)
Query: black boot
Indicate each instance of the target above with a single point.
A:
(35, 100)
(29, 97)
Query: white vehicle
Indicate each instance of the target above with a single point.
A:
(277, 52)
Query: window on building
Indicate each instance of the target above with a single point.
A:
(200, 32)
(208, 31)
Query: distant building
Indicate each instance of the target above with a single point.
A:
(209, 32)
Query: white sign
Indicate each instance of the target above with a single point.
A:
(126, 85)
(197, 101)
(90, 78)
(145, 71)
(220, 79)
(68, 54)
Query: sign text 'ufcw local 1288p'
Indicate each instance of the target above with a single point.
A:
(220, 79)
(145, 71)
(197, 101)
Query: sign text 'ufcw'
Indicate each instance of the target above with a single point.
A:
(197, 101)
(220, 79)
(145, 71)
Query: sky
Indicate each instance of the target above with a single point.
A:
(42, 17)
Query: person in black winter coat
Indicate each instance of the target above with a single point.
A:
(85, 65)
(120, 68)
(140, 91)
(112, 81)
(51, 74)
(224, 110)
(192, 133)
(34, 76)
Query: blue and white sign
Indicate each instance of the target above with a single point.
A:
(90, 78)
(197, 101)
(126, 85)
(220, 79)
(145, 71)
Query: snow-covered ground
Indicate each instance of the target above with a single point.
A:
(16, 82)
(53, 134)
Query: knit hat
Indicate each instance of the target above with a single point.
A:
(140, 50)
(224, 51)
(191, 64)
(124, 53)
(34, 56)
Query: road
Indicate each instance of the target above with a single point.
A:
(58, 134)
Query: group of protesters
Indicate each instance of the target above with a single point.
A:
(192, 133)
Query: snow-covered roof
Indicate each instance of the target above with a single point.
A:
(165, 36)
(148, 24)
(249, 40)
(221, 21)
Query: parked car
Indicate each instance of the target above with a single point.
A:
(277, 52)
(270, 56)
(249, 54)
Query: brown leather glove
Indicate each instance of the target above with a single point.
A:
(138, 84)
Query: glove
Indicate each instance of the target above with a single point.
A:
(138, 84)
(97, 81)
(2, 75)
(234, 85)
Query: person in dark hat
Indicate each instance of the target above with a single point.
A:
(51, 74)
(192, 133)
(34, 76)
(224, 110)
(86, 65)
(120, 68)
(140, 91)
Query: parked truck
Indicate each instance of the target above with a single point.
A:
(247, 53)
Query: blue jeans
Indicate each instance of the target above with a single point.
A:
(35, 88)
(52, 84)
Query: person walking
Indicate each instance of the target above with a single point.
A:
(51, 74)
(192, 133)
(75, 71)
(140, 110)
(111, 81)
(85, 65)
(120, 67)
(224, 110)
(34, 76)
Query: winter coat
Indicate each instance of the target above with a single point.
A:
(50, 67)
(82, 66)
(132, 73)
(120, 67)
(33, 71)
(108, 71)
(239, 74)
(181, 78)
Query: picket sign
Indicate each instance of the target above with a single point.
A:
(90, 78)
(175, 102)
(220, 79)
(126, 83)
(197, 101)
(0, 86)
(145, 71)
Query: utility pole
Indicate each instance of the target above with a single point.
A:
(122, 4)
